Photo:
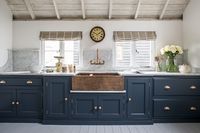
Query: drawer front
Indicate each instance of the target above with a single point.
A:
(177, 108)
(166, 86)
(20, 81)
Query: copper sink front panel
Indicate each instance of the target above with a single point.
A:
(99, 82)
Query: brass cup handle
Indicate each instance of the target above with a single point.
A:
(167, 87)
(193, 108)
(129, 99)
(100, 108)
(95, 108)
(2, 82)
(17, 103)
(66, 99)
(13, 103)
(167, 108)
(29, 82)
(193, 87)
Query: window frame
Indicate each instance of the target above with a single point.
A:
(61, 49)
(133, 57)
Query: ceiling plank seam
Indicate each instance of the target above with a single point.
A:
(56, 9)
(137, 9)
(164, 9)
(110, 9)
(83, 9)
(30, 10)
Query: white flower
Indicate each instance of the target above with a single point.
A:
(172, 49)
(179, 49)
(166, 48)
(162, 51)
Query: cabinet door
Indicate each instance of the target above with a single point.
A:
(139, 100)
(84, 106)
(111, 106)
(29, 102)
(56, 93)
(7, 102)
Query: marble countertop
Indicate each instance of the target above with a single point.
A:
(124, 73)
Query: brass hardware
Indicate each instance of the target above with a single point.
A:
(95, 107)
(167, 108)
(2, 82)
(66, 99)
(13, 103)
(100, 108)
(29, 82)
(17, 103)
(193, 108)
(98, 60)
(129, 99)
(167, 87)
(193, 87)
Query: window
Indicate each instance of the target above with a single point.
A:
(68, 49)
(134, 54)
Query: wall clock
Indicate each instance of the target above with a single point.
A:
(97, 34)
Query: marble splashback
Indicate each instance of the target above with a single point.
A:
(24, 58)
(106, 55)
(8, 66)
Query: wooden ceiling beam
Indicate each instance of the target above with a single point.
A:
(30, 10)
(83, 9)
(56, 9)
(164, 9)
(137, 9)
(110, 9)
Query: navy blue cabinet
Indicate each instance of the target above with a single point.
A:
(21, 100)
(56, 97)
(176, 99)
(98, 106)
(138, 98)
(7, 104)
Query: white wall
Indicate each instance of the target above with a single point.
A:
(5, 32)
(26, 33)
(191, 32)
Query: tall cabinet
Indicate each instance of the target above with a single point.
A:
(139, 98)
(56, 97)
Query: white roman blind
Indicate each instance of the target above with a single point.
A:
(133, 35)
(61, 35)
(134, 49)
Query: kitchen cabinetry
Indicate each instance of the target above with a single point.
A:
(56, 97)
(139, 98)
(21, 100)
(176, 99)
(98, 106)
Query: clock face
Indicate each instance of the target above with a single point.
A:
(97, 34)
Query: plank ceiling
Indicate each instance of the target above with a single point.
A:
(97, 9)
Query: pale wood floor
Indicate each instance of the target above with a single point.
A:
(156, 128)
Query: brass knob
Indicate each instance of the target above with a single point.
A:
(13, 103)
(129, 99)
(29, 82)
(2, 82)
(193, 87)
(100, 108)
(193, 108)
(95, 107)
(167, 108)
(167, 87)
(17, 103)
(66, 99)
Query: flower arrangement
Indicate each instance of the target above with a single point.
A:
(171, 51)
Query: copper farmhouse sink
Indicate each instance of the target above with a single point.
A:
(98, 82)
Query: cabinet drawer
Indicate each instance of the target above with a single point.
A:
(174, 86)
(20, 81)
(177, 108)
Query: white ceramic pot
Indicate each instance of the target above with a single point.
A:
(35, 69)
(184, 68)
